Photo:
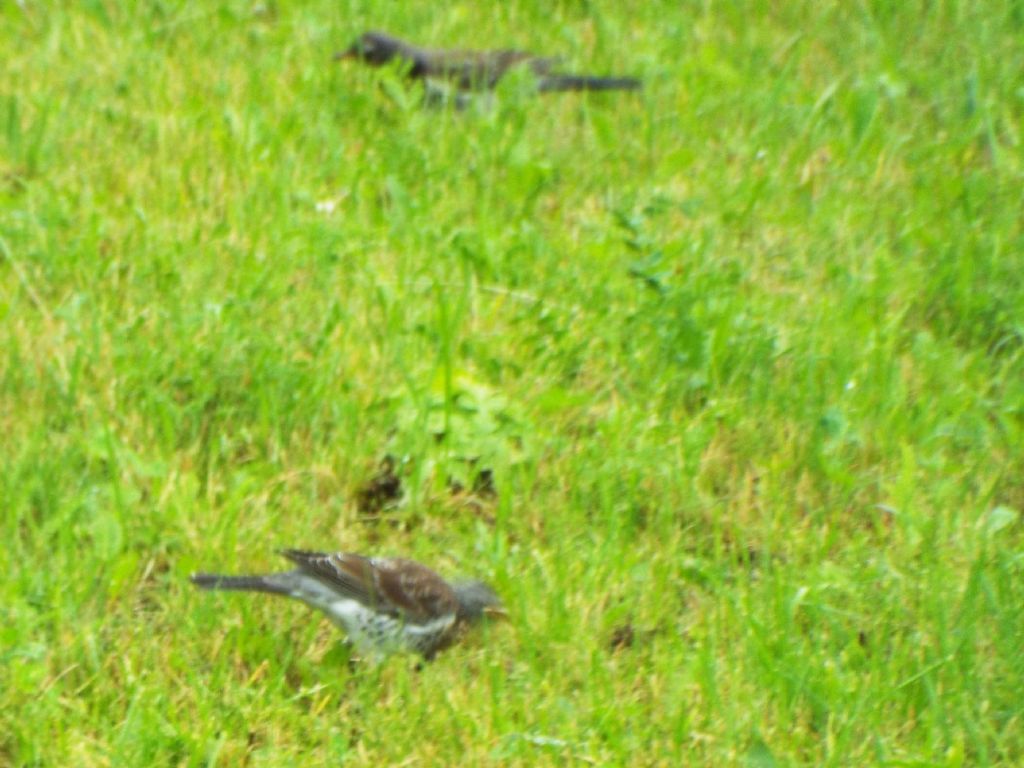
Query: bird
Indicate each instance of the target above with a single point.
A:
(473, 70)
(385, 605)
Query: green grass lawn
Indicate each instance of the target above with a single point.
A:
(744, 355)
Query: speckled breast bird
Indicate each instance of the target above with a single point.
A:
(385, 605)
(474, 70)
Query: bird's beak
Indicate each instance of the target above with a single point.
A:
(346, 55)
(494, 612)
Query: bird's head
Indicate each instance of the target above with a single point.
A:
(476, 600)
(375, 48)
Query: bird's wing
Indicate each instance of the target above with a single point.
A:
(543, 65)
(476, 69)
(418, 592)
(392, 585)
(347, 574)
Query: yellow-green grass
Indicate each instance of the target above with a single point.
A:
(743, 352)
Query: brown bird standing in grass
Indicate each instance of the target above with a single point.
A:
(474, 70)
(383, 604)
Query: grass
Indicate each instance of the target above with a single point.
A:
(744, 355)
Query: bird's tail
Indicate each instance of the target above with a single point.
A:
(587, 83)
(238, 583)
